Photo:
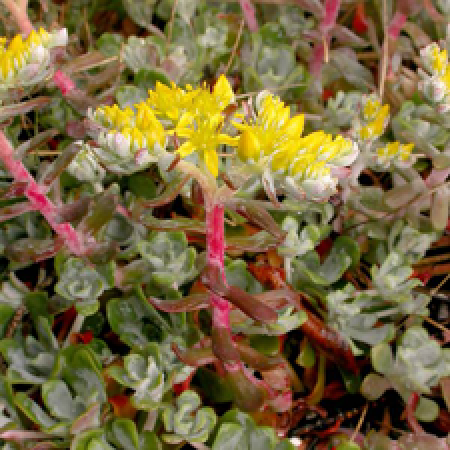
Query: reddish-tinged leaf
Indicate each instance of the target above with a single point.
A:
(315, 64)
(324, 248)
(249, 13)
(82, 338)
(193, 302)
(257, 360)
(179, 388)
(396, 25)
(250, 305)
(411, 406)
(195, 357)
(359, 23)
(331, 13)
(122, 406)
(326, 94)
(248, 396)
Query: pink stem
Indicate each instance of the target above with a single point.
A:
(331, 13)
(396, 25)
(63, 82)
(249, 13)
(215, 243)
(38, 199)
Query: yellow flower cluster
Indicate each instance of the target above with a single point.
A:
(16, 55)
(436, 86)
(141, 129)
(394, 151)
(172, 102)
(271, 142)
(270, 132)
(274, 139)
(375, 118)
(435, 59)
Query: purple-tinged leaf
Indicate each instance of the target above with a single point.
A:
(257, 215)
(99, 213)
(35, 142)
(250, 305)
(193, 302)
(30, 249)
(11, 211)
(76, 210)
(223, 346)
(16, 189)
(195, 357)
(58, 166)
(257, 360)
(10, 111)
(257, 243)
(248, 395)
(169, 194)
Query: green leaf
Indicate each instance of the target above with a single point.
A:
(187, 421)
(123, 434)
(427, 410)
(307, 356)
(144, 377)
(109, 43)
(267, 345)
(141, 185)
(381, 357)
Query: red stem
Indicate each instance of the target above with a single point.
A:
(38, 199)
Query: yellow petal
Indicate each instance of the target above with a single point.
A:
(223, 92)
(212, 162)
(294, 127)
(249, 146)
(186, 149)
(228, 140)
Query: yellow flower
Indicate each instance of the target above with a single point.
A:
(272, 129)
(169, 102)
(446, 79)
(203, 136)
(114, 117)
(14, 56)
(370, 108)
(438, 59)
(395, 150)
(376, 125)
(172, 102)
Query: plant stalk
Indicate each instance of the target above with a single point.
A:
(38, 199)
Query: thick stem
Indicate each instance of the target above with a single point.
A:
(223, 345)
(36, 195)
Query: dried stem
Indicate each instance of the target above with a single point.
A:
(385, 53)
(235, 47)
